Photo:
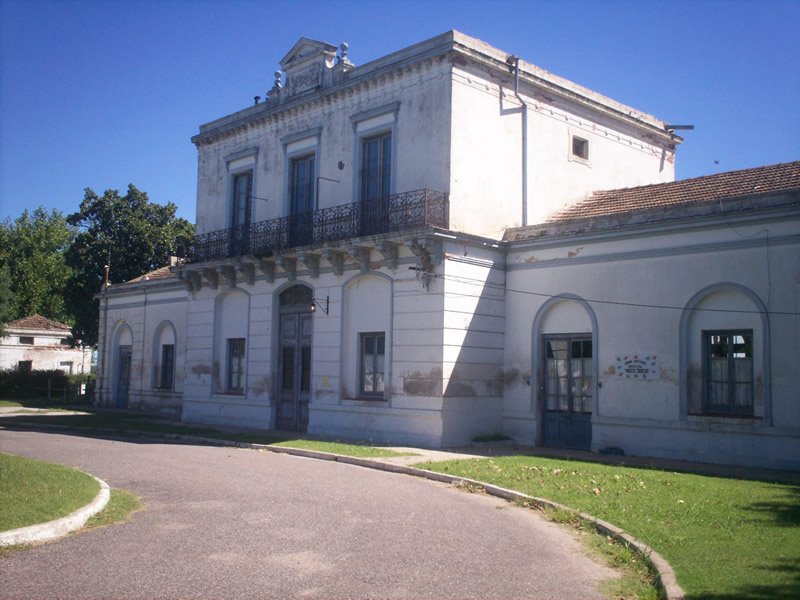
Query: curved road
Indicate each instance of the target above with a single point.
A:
(234, 523)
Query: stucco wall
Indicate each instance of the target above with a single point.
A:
(486, 166)
(420, 129)
(638, 286)
(144, 316)
(46, 353)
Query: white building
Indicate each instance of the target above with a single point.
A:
(331, 289)
(42, 344)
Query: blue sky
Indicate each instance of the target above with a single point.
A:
(102, 94)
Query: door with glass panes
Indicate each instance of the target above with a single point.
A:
(294, 359)
(568, 386)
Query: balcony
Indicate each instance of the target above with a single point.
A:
(395, 213)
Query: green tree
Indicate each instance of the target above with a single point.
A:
(33, 265)
(131, 234)
(6, 300)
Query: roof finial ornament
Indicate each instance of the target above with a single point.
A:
(275, 93)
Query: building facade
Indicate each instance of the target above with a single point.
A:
(42, 344)
(411, 251)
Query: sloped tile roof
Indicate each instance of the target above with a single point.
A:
(731, 184)
(37, 322)
(162, 273)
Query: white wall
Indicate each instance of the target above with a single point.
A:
(46, 353)
(147, 316)
(651, 417)
(421, 132)
(486, 150)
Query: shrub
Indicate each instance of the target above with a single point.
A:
(15, 383)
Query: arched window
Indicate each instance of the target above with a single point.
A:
(231, 322)
(297, 294)
(367, 337)
(725, 354)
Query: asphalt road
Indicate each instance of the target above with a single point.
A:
(235, 523)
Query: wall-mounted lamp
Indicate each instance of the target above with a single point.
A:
(318, 303)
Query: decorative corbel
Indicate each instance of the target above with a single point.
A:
(335, 258)
(248, 271)
(311, 262)
(212, 277)
(229, 274)
(289, 266)
(193, 281)
(389, 251)
(268, 268)
(427, 251)
(361, 256)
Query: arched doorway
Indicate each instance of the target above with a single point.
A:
(294, 358)
(566, 335)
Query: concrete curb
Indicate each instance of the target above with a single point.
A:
(60, 527)
(666, 576)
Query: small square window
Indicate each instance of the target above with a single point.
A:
(25, 366)
(26, 340)
(580, 148)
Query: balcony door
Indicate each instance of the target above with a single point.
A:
(240, 213)
(301, 201)
(376, 175)
(294, 358)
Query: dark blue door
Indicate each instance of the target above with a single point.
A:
(568, 392)
(123, 377)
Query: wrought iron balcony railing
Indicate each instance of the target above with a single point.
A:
(398, 212)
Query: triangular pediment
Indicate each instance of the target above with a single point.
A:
(304, 49)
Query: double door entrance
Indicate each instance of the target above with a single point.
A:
(294, 359)
(568, 388)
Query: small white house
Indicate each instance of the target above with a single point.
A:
(38, 343)
(414, 251)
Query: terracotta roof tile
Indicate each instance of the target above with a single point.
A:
(731, 184)
(162, 273)
(37, 322)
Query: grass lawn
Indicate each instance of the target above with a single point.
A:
(144, 423)
(120, 507)
(33, 492)
(725, 538)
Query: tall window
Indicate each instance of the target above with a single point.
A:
(236, 365)
(376, 166)
(242, 190)
(729, 372)
(302, 185)
(165, 376)
(240, 213)
(373, 350)
(301, 201)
